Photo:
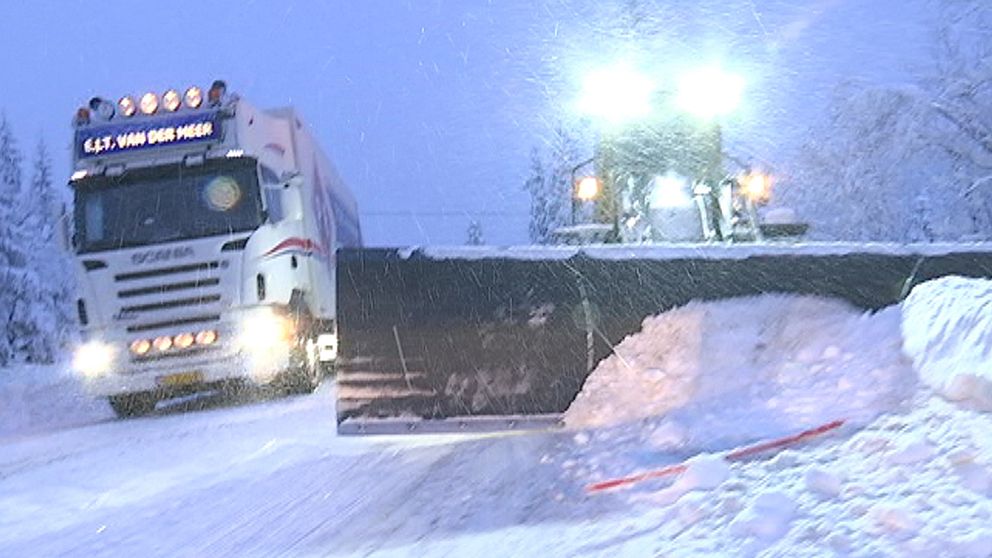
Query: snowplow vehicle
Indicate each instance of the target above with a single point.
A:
(204, 240)
(435, 339)
(490, 338)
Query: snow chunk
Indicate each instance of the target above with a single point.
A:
(704, 472)
(669, 435)
(896, 521)
(975, 477)
(975, 546)
(823, 483)
(769, 516)
(913, 451)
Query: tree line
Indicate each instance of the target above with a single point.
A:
(36, 277)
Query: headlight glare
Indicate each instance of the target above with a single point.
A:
(93, 359)
(264, 330)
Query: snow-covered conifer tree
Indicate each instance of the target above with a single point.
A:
(27, 322)
(46, 212)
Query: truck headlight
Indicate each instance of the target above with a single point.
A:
(93, 359)
(264, 330)
(265, 338)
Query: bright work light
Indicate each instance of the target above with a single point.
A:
(171, 100)
(587, 189)
(194, 97)
(127, 106)
(149, 103)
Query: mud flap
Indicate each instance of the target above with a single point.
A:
(496, 333)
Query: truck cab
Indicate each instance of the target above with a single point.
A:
(205, 233)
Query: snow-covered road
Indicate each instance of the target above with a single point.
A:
(269, 479)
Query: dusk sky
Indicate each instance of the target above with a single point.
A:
(430, 108)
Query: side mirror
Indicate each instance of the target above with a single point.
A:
(292, 197)
(295, 181)
(284, 201)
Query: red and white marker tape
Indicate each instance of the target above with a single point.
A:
(734, 455)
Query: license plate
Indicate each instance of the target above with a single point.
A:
(181, 379)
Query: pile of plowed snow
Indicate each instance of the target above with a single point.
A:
(909, 475)
(947, 325)
(747, 368)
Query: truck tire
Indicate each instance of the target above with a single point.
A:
(305, 374)
(132, 404)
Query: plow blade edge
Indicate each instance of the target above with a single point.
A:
(512, 335)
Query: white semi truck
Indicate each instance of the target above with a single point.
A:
(205, 237)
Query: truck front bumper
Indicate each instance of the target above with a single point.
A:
(189, 374)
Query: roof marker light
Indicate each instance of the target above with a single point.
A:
(194, 97)
(127, 106)
(171, 100)
(149, 103)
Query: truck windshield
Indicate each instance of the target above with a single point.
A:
(167, 203)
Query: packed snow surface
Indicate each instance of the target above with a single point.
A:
(910, 474)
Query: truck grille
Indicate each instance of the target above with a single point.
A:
(168, 298)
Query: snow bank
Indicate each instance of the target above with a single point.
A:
(947, 327)
(733, 371)
(35, 398)
(912, 477)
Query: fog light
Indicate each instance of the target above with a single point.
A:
(141, 346)
(163, 343)
(206, 337)
(183, 340)
(93, 359)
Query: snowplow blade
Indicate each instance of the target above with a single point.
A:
(454, 339)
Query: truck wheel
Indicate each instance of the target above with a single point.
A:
(132, 404)
(306, 373)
